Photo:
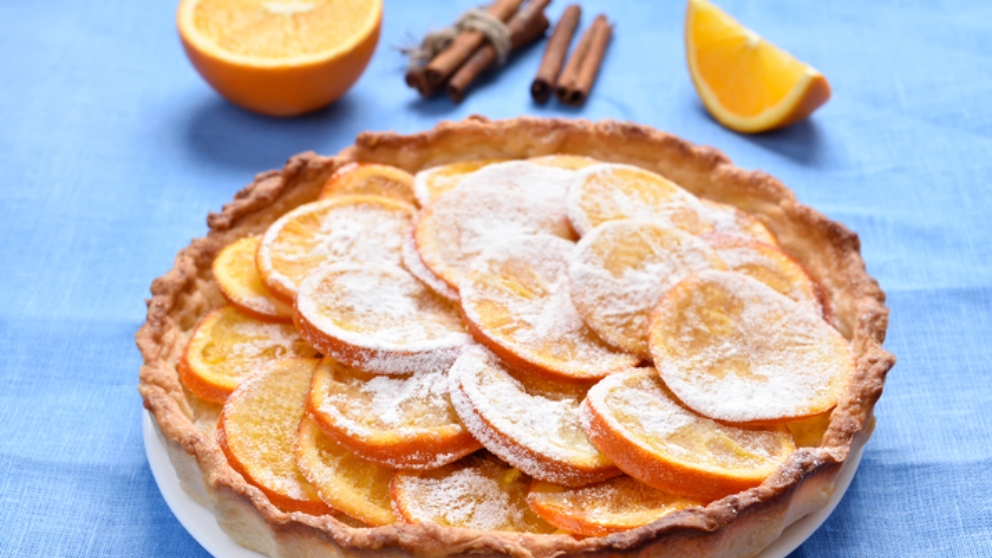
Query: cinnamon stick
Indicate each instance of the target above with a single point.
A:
(467, 42)
(554, 55)
(599, 37)
(566, 81)
(524, 27)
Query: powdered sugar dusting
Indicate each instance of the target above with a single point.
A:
(731, 221)
(416, 267)
(236, 345)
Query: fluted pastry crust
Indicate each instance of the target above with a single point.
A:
(738, 525)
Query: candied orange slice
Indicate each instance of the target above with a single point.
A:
(538, 433)
(379, 318)
(370, 179)
(747, 84)
(367, 229)
(227, 346)
(516, 301)
(500, 201)
(808, 432)
(238, 279)
(257, 432)
(564, 161)
(771, 266)
(734, 349)
(633, 419)
(404, 422)
(479, 492)
(607, 192)
(416, 267)
(621, 270)
(347, 483)
(430, 183)
(728, 220)
(611, 506)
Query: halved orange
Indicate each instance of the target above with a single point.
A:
(611, 506)
(404, 422)
(257, 432)
(430, 183)
(748, 84)
(351, 485)
(280, 57)
(633, 419)
(239, 281)
(478, 492)
(370, 179)
(227, 346)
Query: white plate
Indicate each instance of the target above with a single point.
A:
(200, 522)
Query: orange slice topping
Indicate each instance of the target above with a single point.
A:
(227, 346)
(516, 301)
(621, 270)
(416, 267)
(478, 492)
(347, 483)
(366, 229)
(563, 161)
(747, 83)
(257, 432)
(734, 349)
(238, 279)
(370, 179)
(611, 506)
(633, 419)
(402, 422)
(379, 318)
(429, 184)
(538, 433)
(729, 220)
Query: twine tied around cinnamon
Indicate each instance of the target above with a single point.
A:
(476, 19)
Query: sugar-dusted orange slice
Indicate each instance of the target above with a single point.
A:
(611, 506)
(497, 202)
(516, 301)
(565, 161)
(728, 220)
(379, 318)
(538, 433)
(633, 419)
(416, 267)
(430, 183)
(734, 349)
(370, 179)
(227, 346)
(366, 229)
(402, 422)
(621, 270)
(347, 483)
(771, 266)
(238, 279)
(808, 432)
(479, 492)
(607, 192)
(257, 432)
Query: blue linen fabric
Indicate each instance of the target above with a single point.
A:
(113, 150)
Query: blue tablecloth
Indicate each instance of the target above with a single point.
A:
(113, 150)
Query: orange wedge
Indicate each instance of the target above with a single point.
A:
(404, 422)
(564, 161)
(538, 433)
(348, 484)
(370, 179)
(633, 419)
(379, 318)
(621, 270)
(366, 229)
(515, 300)
(734, 349)
(227, 346)
(478, 492)
(611, 506)
(430, 183)
(280, 57)
(748, 84)
(729, 220)
(238, 279)
(257, 431)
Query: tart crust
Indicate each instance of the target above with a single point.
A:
(738, 525)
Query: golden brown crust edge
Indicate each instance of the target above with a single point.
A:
(739, 525)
